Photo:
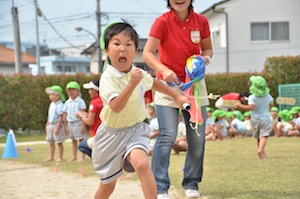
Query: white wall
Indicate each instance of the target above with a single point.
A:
(247, 56)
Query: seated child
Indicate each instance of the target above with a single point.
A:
(284, 127)
(274, 119)
(237, 127)
(247, 116)
(180, 143)
(153, 124)
(219, 126)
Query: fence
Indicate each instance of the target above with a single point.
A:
(288, 96)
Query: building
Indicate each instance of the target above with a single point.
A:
(246, 32)
(7, 61)
(55, 64)
(29, 48)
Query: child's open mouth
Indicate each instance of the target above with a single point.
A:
(122, 59)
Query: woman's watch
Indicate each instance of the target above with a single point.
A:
(208, 59)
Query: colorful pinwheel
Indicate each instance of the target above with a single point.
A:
(195, 70)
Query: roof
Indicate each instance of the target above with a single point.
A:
(8, 55)
(213, 6)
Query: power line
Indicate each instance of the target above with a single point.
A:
(138, 2)
(57, 31)
(67, 23)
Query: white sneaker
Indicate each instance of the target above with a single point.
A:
(163, 196)
(192, 193)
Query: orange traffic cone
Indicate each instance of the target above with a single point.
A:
(10, 150)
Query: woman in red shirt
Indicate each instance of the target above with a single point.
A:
(177, 35)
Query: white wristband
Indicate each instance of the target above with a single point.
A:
(208, 59)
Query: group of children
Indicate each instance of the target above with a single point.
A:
(286, 122)
(222, 124)
(69, 118)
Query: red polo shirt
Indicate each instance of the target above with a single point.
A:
(176, 39)
(96, 105)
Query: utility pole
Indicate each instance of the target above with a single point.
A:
(37, 13)
(99, 52)
(17, 42)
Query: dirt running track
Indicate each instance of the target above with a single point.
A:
(27, 181)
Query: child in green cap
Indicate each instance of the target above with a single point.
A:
(274, 118)
(153, 124)
(218, 127)
(180, 143)
(55, 132)
(286, 127)
(296, 111)
(259, 103)
(75, 128)
(122, 138)
(247, 122)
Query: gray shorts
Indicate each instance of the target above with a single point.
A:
(112, 146)
(75, 130)
(261, 128)
(53, 138)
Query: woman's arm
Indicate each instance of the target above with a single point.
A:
(206, 47)
(152, 61)
(161, 87)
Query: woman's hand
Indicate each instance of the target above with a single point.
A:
(170, 76)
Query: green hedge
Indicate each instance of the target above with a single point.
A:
(24, 103)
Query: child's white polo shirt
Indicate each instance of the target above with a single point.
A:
(112, 83)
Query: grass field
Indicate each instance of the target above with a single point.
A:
(231, 168)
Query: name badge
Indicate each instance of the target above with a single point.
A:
(195, 36)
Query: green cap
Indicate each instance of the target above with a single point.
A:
(229, 114)
(102, 41)
(285, 115)
(208, 109)
(151, 104)
(259, 86)
(218, 113)
(238, 115)
(180, 112)
(295, 110)
(247, 113)
(73, 84)
(56, 90)
(274, 108)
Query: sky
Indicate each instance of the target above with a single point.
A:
(61, 17)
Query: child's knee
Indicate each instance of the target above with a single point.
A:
(141, 165)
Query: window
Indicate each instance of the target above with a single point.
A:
(279, 31)
(58, 69)
(69, 69)
(216, 39)
(42, 70)
(87, 69)
(259, 31)
(270, 31)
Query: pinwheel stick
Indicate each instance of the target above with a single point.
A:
(210, 96)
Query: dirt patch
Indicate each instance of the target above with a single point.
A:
(27, 181)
